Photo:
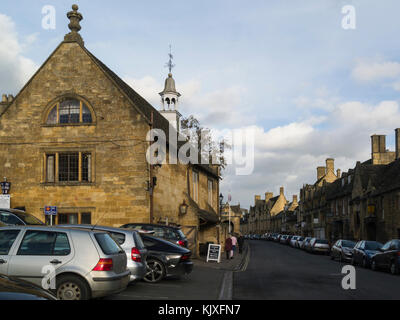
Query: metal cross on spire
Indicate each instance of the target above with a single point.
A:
(169, 64)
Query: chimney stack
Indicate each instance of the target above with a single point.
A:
(397, 140)
(268, 196)
(320, 172)
(4, 99)
(256, 198)
(295, 199)
(338, 173)
(281, 191)
(378, 143)
(10, 98)
(330, 165)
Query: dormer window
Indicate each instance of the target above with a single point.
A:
(69, 111)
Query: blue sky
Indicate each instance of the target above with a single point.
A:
(311, 89)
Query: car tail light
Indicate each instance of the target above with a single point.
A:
(135, 254)
(181, 243)
(104, 265)
(185, 257)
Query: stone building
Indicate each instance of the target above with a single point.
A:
(75, 137)
(313, 208)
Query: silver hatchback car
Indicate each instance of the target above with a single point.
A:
(130, 241)
(76, 264)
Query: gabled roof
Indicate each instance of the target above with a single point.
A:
(388, 178)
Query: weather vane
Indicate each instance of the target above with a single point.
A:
(169, 64)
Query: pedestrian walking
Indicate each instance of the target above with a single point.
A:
(234, 244)
(240, 243)
(228, 247)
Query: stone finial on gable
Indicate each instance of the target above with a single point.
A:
(75, 17)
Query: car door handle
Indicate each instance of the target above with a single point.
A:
(55, 261)
(2, 261)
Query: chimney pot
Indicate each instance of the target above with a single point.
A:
(282, 190)
(10, 98)
(4, 98)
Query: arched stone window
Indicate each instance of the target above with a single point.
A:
(69, 111)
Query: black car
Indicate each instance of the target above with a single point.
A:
(165, 259)
(388, 257)
(170, 233)
(16, 289)
(12, 217)
(363, 252)
(342, 250)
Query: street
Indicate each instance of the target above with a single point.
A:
(279, 272)
(201, 284)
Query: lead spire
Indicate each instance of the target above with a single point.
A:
(75, 17)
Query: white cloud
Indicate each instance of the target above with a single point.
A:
(366, 70)
(15, 68)
(219, 108)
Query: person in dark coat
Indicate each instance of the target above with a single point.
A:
(228, 247)
(240, 243)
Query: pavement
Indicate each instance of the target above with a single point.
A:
(208, 281)
(278, 272)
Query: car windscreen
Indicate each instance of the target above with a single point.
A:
(348, 244)
(322, 241)
(374, 246)
(301, 239)
(28, 218)
(107, 244)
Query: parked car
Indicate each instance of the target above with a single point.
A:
(293, 241)
(165, 259)
(363, 252)
(170, 233)
(130, 241)
(320, 246)
(309, 244)
(299, 242)
(17, 289)
(283, 239)
(342, 250)
(87, 263)
(388, 257)
(305, 243)
(278, 238)
(13, 217)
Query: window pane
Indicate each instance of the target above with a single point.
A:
(37, 243)
(68, 165)
(61, 246)
(86, 115)
(62, 218)
(69, 111)
(50, 167)
(7, 238)
(86, 218)
(52, 118)
(86, 167)
(72, 218)
(118, 237)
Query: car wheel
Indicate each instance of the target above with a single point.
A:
(155, 271)
(393, 268)
(72, 288)
(374, 266)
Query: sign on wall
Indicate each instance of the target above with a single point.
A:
(50, 211)
(5, 187)
(214, 253)
(5, 201)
